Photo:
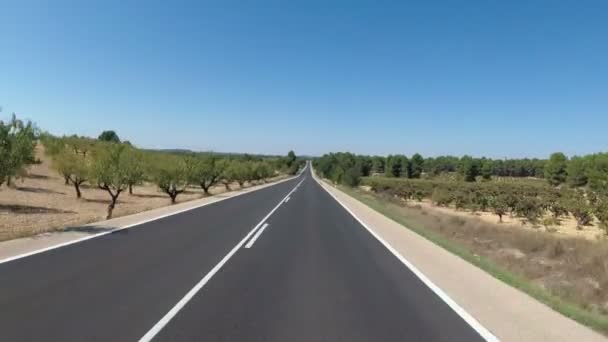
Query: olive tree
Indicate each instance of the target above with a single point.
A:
(17, 146)
(262, 170)
(135, 167)
(110, 170)
(228, 172)
(242, 172)
(74, 166)
(206, 172)
(172, 175)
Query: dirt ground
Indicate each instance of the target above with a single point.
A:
(41, 202)
(567, 225)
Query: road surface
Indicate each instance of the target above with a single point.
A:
(284, 263)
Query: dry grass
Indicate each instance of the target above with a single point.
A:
(41, 202)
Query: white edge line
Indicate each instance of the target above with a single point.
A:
(169, 315)
(67, 243)
(256, 236)
(480, 329)
(287, 199)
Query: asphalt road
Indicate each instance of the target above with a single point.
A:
(254, 267)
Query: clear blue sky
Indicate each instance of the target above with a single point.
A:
(494, 78)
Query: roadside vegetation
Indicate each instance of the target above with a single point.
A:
(576, 187)
(86, 167)
(528, 200)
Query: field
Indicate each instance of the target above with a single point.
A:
(41, 202)
(523, 203)
(565, 272)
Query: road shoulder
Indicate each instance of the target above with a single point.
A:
(508, 313)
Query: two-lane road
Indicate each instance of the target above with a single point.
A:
(285, 263)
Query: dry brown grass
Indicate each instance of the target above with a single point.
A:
(41, 202)
(575, 269)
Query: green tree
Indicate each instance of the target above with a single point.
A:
(135, 167)
(17, 146)
(601, 212)
(576, 172)
(290, 163)
(468, 169)
(109, 136)
(74, 166)
(172, 175)
(579, 208)
(597, 173)
(397, 166)
(110, 171)
(555, 169)
(241, 172)
(378, 164)
(417, 165)
(499, 205)
(487, 170)
(228, 172)
(262, 170)
(206, 173)
(351, 177)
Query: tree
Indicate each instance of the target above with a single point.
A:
(597, 173)
(110, 171)
(109, 136)
(579, 208)
(135, 167)
(468, 169)
(172, 175)
(576, 172)
(241, 172)
(486, 170)
(206, 173)
(378, 164)
(397, 166)
(417, 163)
(601, 212)
(17, 146)
(290, 163)
(555, 169)
(499, 205)
(261, 171)
(227, 174)
(530, 208)
(351, 177)
(74, 166)
(364, 164)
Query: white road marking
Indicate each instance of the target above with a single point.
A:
(287, 199)
(256, 236)
(480, 329)
(180, 305)
(132, 225)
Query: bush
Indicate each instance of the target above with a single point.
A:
(442, 197)
(351, 177)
